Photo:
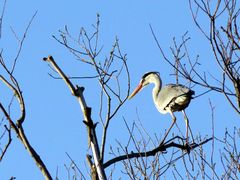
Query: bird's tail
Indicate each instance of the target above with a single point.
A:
(191, 93)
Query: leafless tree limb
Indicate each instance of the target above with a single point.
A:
(21, 134)
(13, 85)
(8, 130)
(78, 93)
(111, 93)
(224, 42)
(153, 152)
(2, 15)
(21, 42)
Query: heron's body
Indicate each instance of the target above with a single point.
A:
(167, 99)
(172, 97)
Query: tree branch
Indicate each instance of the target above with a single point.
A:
(78, 93)
(153, 152)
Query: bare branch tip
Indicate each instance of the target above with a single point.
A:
(49, 58)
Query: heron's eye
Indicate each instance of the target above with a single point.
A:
(144, 82)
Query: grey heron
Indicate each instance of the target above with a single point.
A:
(167, 99)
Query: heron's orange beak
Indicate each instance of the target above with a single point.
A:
(136, 90)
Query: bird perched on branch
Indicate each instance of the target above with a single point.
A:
(167, 99)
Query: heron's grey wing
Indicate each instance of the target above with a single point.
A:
(174, 96)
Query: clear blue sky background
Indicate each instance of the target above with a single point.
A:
(54, 120)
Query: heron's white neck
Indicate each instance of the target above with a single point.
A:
(157, 87)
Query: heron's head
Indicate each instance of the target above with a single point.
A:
(147, 78)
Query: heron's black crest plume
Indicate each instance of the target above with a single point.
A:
(148, 73)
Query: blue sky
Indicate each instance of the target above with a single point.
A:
(54, 120)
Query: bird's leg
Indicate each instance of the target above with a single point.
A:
(174, 121)
(187, 126)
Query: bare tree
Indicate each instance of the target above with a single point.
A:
(222, 34)
(85, 49)
(11, 82)
(224, 41)
(142, 156)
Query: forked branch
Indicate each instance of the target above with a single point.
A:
(78, 93)
(17, 127)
